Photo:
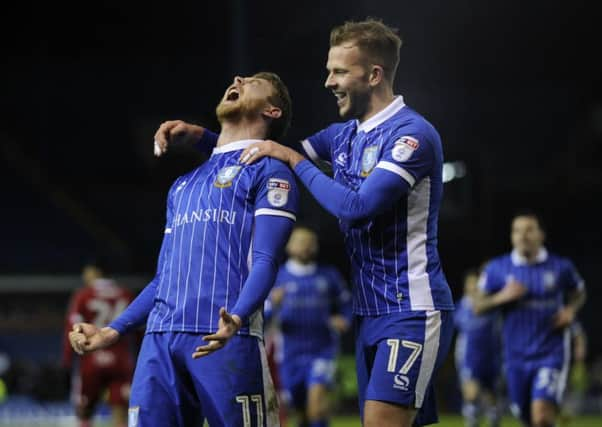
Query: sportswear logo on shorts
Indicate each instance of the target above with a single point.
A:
(401, 382)
(369, 157)
(278, 192)
(226, 175)
(133, 416)
(403, 148)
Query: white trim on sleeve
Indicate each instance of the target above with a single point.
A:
(392, 167)
(275, 212)
(309, 149)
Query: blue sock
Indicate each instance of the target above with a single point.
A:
(321, 423)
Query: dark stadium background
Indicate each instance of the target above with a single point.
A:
(513, 87)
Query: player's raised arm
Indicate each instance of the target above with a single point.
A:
(386, 184)
(180, 132)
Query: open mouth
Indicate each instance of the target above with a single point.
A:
(233, 95)
(341, 97)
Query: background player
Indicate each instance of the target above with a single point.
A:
(547, 292)
(226, 227)
(312, 308)
(99, 302)
(478, 357)
(387, 161)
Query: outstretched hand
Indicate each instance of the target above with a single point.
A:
(228, 326)
(86, 337)
(272, 149)
(175, 132)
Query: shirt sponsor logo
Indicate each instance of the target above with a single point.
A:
(205, 215)
(226, 175)
(278, 192)
(369, 158)
(403, 148)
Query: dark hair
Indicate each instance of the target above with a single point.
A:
(280, 98)
(529, 213)
(377, 41)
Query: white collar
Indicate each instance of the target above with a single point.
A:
(518, 259)
(382, 116)
(299, 269)
(235, 145)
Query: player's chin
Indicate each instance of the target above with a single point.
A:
(345, 111)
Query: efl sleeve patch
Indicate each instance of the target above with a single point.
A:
(278, 190)
(403, 148)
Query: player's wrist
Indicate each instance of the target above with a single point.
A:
(110, 334)
(294, 158)
(197, 133)
(237, 321)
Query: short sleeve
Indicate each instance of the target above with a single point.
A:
(277, 191)
(408, 154)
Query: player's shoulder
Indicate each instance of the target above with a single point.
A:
(270, 167)
(499, 261)
(408, 122)
(334, 130)
(338, 127)
(83, 292)
(327, 269)
(560, 260)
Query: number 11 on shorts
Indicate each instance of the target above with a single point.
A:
(246, 409)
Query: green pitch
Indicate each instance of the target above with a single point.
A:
(456, 421)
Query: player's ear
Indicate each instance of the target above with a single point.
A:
(376, 76)
(272, 112)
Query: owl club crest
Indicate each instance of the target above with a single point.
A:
(369, 158)
(226, 175)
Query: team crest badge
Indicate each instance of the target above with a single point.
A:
(403, 148)
(321, 284)
(369, 158)
(226, 175)
(133, 416)
(278, 192)
(549, 280)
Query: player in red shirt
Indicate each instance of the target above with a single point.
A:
(99, 302)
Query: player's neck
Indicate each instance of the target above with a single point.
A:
(379, 100)
(530, 256)
(240, 130)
